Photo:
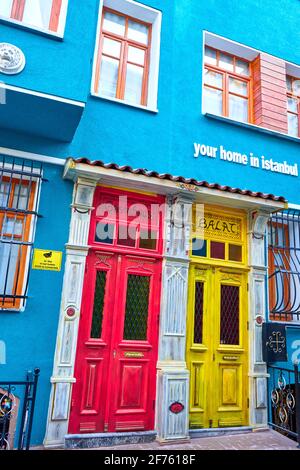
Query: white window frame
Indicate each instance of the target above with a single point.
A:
(61, 25)
(148, 15)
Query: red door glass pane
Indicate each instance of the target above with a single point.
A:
(217, 250)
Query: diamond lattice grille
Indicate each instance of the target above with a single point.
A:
(229, 314)
(198, 322)
(96, 329)
(137, 302)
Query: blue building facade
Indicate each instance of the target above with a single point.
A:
(187, 101)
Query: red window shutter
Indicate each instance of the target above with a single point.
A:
(269, 93)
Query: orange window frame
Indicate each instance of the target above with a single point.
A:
(18, 7)
(123, 59)
(26, 225)
(290, 94)
(226, 74)
(272, 268)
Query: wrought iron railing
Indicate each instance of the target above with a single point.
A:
(17, 402)
(20, 185)
(284, 396)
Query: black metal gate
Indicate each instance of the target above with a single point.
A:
(17, 401)
(284, 399)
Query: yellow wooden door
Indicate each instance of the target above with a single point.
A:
(217, 347)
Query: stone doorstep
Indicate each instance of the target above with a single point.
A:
(89, 441)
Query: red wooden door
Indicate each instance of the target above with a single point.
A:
(115, 365)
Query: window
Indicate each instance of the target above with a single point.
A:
(226, 89)
(293, 105)
(127, 54)
(42, 14)
(122, 69)
(19, 187)
(284, 267)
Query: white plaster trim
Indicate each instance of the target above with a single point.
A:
(26, 91)
(126, 103)
(294, 206)
(61, 26)
(32, 156)
(149, 15)
(249, 125)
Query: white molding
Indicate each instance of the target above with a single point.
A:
(56, 35)
(32, 156)
(126, 103)
(149, 15)
(26, 91)
(294, 206)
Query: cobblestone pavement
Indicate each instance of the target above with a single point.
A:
(263, 440)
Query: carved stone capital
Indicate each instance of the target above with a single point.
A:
(178, 225)
(258, 223)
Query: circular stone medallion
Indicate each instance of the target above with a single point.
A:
(12, 59)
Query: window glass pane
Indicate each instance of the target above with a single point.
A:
(241, 67)
(114, 23)
(217, 250)
(104, 233)
(137, 304)
(235, 253)
(21, 197)
(5, 8)
(198, 315)
(296, 87)
(238, 86)
(148, 240)
(38, 13)
(109, 76)
(111, 47)
(134, 84)
(210, 56)
(226, 62)
(4, 194)
(12, 228)
(212, 101)
(97, 319)
(238, 108)
(213, 78)
(292, 104)
(199, 247)
(293, 125)
(126, 237)
(138, 32)
(136, 55)
(230, 309)
(289, 84)
(9, 254)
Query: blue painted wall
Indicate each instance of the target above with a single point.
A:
(162, 141)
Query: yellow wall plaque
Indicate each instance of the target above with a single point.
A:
(48, 260)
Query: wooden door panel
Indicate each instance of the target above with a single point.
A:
(133, 386)
(91, 386)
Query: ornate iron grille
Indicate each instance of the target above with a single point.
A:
(230, 307)
(20, 183)
(17, 402)
(96, 330)
(284, 265)
(284, 394)
(198, 321)
(137, 306)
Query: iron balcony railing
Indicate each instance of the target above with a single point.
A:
(284, 399)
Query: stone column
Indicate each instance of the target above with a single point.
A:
(173, 376)
(257, 310)
(64, 360)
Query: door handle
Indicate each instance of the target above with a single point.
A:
(114, 354)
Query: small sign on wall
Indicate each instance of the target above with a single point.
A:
(47, 260)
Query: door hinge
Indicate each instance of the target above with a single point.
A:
(210, 423)
(214, 357)
(247, 326)
(248, 402)
(72, 404)
(247, 286)
(105, 427)
(153, 405)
